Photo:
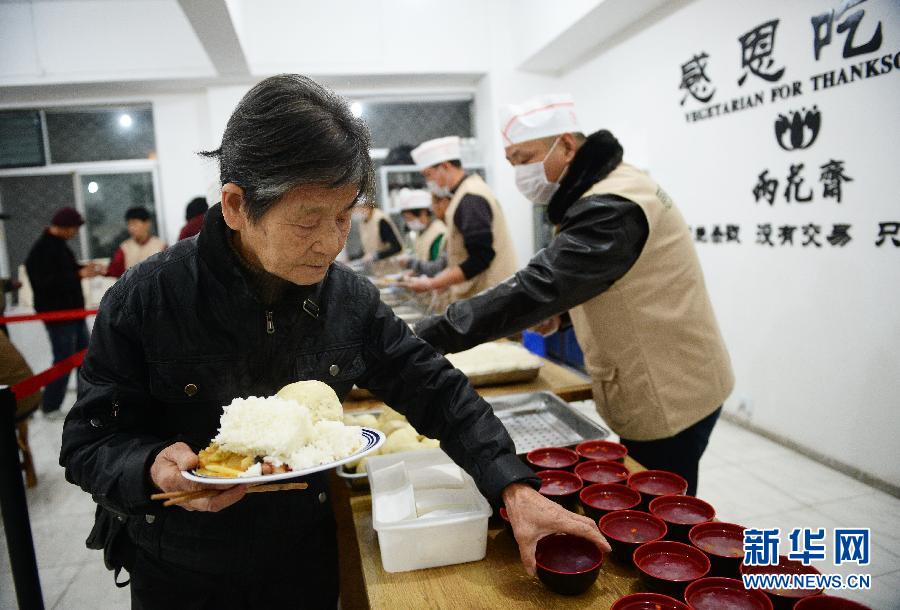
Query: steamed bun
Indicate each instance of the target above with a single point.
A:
(404, 439)
(318, 397)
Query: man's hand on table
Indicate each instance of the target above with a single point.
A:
(533, 516)
(166, 475)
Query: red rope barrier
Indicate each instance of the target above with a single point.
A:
(62, 315)
(29, 386)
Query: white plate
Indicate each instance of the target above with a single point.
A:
(372, 441)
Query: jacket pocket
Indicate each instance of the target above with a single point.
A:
(337, 366)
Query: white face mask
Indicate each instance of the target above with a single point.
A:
(438, 191)
(531, 180)
(415, 225)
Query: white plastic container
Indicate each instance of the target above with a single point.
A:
(454, 528)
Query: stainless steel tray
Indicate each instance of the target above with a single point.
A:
(542, 419)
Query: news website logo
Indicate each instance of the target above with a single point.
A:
(807, 547)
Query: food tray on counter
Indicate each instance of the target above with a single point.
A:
(533, 420)
(517, 375)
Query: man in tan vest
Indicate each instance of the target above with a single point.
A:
(622, 264)
(480, 252)
(139, 246)
(378, 234)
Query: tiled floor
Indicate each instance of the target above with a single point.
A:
(749, 479)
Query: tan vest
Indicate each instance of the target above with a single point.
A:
(136, 253)
(651, 342)
(370, 233)
(504, 263)
(435, 229)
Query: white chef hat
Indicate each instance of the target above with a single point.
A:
(538, 117)
(413, 199)
(436, 151)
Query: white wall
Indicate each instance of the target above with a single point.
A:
(813, 333)
(182, 129)
(95, 40)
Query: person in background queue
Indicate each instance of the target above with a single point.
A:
(252, 304)
(623, 265)
(415, 206)
(480, 253)
(378, 234)
(55, 278)
(193, 213)
(139, 246)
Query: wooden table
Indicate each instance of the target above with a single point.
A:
(497, 581)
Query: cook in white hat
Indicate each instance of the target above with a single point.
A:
(652, 345)
(415, 207)
(479, 249)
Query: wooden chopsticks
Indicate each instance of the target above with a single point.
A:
(171, 498)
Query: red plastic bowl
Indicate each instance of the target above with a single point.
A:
(601, 498)
(828, 602)
(560, 486)
(681, 513)
(567, 564)
(784, 598)
(626, 530)
(602, 450)
(647, 601)
(668, 567)
(552, 458)
(723, 543)
(653, 483)
(600, 471)
(716, 593)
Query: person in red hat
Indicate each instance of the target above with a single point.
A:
(55, 278)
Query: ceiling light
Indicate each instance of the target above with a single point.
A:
(93, 187)
(356, 109)
(125, 120)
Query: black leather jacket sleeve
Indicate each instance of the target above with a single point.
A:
(407, 374)
(599, 239)
(106, 447)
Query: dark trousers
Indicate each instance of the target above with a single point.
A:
(680, 453)
(302, 576)
(66, 338)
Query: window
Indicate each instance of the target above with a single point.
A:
(106, 199)
(100, 134)
(21, 139)
(395, 123)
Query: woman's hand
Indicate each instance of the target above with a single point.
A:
(533, 516)
(166, 475)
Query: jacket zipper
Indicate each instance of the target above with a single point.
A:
(270, 323)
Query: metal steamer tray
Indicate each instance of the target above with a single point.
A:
(542, 419)
(533, 420)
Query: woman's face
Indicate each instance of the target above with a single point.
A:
(299, 236)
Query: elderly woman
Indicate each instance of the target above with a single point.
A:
(254, 303)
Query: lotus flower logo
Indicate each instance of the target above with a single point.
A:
(798, 130)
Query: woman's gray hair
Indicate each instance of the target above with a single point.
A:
(290, 131)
